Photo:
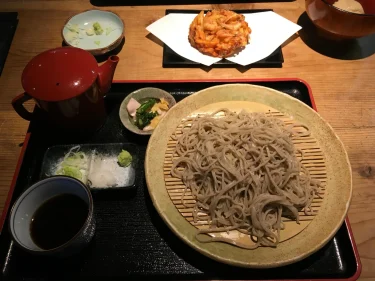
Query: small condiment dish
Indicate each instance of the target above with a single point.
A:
(141, 95)
(127, 178)
(76, 29)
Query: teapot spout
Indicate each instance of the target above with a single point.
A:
(106, 72)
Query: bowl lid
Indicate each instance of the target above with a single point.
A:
(59, 74)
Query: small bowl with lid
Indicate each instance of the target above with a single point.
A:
(68, 86)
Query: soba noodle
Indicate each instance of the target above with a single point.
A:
(244, 173)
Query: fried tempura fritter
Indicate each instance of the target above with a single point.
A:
(220, 33)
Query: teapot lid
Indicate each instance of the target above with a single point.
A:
(59, 74)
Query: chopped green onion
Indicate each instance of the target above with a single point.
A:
(73, 28)
(97, 28)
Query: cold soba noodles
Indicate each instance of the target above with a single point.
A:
(244, 173)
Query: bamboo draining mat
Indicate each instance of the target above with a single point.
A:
(313, 160)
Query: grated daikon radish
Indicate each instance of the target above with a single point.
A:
(106, 172)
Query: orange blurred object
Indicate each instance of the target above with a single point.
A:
(220, 33)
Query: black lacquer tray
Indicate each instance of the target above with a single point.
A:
(132, 241)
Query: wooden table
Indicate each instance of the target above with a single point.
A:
(343, 89)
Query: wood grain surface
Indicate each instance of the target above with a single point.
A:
(341, 78)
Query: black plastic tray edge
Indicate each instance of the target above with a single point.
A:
(223, 63)
(5, 211)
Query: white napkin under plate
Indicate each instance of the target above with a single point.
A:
(268, 31)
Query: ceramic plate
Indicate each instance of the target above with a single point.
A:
(140, 95)
(75, 30)
(338, 186)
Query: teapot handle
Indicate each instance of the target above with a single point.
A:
(17, 104)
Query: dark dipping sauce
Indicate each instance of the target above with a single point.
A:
(58, 220)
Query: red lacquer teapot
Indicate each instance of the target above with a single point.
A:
(69, 86)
